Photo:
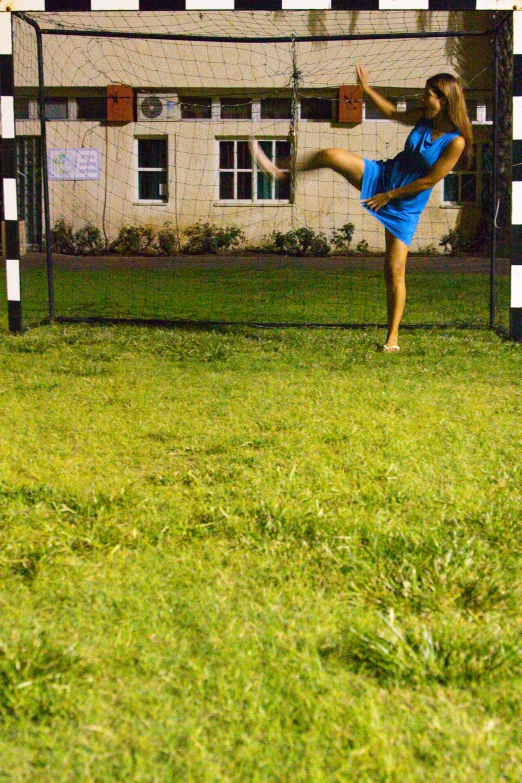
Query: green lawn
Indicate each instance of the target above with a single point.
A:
(259, 555)
(281, 291)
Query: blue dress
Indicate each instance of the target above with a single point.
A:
(401, 215)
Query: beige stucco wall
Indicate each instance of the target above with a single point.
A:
(81, 61)
(323, 199)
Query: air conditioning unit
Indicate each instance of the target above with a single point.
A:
(158, 107)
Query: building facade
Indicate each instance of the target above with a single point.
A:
(178, 154)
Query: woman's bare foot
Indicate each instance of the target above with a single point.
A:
(264, 162)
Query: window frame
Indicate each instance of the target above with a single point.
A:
(275, 119)
(477, 117)
(55, 99)
(481, 114)
(331, 119)
(239, 99)
(254, 200)
(478, 155)
(28, 105)
(235, 171)
(459, 203)
(145, 137)
(101, 98)
(401, 105)
(34, 109)
(212, 117)
(255, 102)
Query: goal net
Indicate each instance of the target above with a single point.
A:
(137, 126)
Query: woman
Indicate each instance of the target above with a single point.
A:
(396, 191)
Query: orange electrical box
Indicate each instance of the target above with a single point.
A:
(120, 103)
(350, 104)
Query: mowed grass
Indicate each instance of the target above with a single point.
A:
(260, 555)
(289, 293)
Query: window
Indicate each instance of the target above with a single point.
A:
(56, 109)
(239, 179)
(21, 108)
(484, 113)
(316, 109)
(236, 108)
(235, 171)
(371, 112)
(197, 107)
(460, 187)
(472, 185)
(276, 108)
(152, 169)
(269, 188)
(488, 109)
(413, 103)
(92, 108)
(471, 106)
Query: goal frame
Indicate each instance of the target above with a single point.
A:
(8, 163)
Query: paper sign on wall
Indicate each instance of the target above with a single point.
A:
(79, 163)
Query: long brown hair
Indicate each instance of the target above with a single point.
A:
(447, 86)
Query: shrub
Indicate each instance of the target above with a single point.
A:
(282, 244)
(454, 240)
(427, 250)
(134, 240)
(341, 237)
(206, 238)
(168, 242)
(62, 237)
(362, 247)
(301, 242)
(89, 240)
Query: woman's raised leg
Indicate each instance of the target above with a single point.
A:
(349, 164)
(395, 277)
(344, 162)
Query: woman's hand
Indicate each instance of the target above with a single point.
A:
(376, 202)
(362, 76)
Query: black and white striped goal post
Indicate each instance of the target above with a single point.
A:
(8, 164)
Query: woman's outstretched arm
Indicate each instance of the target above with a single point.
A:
(388, 109)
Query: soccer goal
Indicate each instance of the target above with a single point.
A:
(138, 198)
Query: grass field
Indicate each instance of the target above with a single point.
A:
(260, 555)
(441, 290)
